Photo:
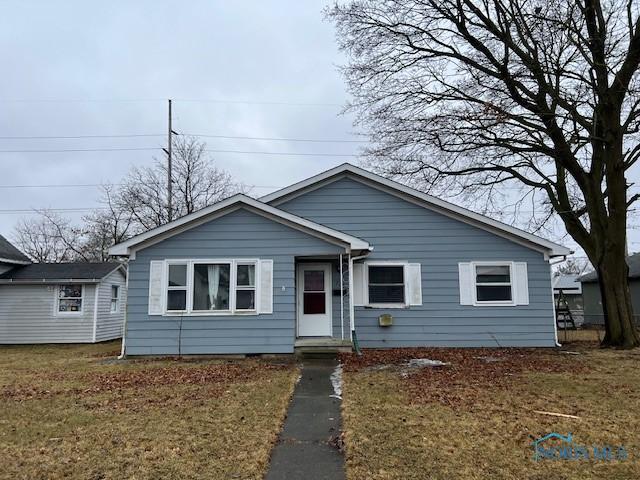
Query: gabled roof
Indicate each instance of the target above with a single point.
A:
(634, 270)
(231, 204)
(568, 283)
(10, 254)
(82, 272)
(515, 234)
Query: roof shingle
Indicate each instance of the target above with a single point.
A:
(60, 271)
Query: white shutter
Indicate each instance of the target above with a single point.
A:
(414, 284)
(521, 283)
(359, 288)
(465, 278)
(156, 293)
(265, 298)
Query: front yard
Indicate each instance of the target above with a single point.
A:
(71, 412)
(475, 418)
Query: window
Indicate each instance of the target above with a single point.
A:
(211, 286)
(177, 287)
(386, 284)
(246, 286)
(493, 283)
(115, 298)
(70, 298)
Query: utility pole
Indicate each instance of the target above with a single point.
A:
(169, 165)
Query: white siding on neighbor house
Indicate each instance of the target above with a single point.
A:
(27, 315)
(109, 325)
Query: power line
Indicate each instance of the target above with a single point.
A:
(182, 100)
(74, 137)
(278, 139)
(249, 152)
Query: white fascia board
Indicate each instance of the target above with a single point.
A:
(15, 262)
(231, 204)
(427, 201)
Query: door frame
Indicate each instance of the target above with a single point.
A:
(328, 300)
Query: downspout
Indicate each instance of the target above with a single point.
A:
(95, 311)
(341, 300)
(126, 309)
(352, 309)
(553, 301)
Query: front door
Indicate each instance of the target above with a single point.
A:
(314, 300)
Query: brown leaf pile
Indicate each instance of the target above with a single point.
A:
(141, 378)
(470, 373)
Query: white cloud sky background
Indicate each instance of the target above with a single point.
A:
(128, 57)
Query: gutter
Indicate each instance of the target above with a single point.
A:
(352, 309)
(553, 301)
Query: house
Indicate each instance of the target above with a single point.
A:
(593, 314)
(10, 256)
(567, 292)
(344, 256)
(59, 302)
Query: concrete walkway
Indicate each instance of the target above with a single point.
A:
(304, 450)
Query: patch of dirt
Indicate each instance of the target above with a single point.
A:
(141, 378)
(469, 373)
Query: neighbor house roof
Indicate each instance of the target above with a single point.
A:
(10, 254)
(82, 272)
(634, 269)
(418, 197)
(567, 283)
(227, 206)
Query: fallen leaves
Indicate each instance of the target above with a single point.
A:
(470, 371)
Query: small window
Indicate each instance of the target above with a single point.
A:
(70, 298)
(493, 283)
(386, 284)
(246, 287)
(177, 287)
(115, 298)
(211, 286)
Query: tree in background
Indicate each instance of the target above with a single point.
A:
(461, 95)
(137, 205)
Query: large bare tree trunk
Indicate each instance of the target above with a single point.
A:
(613, 280)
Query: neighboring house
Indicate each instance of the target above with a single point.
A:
(593, 314)
(10, 256)
(567, 291)
(331, 260)
(62, 303)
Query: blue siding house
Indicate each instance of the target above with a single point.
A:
(341, 257)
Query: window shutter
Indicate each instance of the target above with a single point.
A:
(466, 283)
(359, 288)
(521, 283)
(414, 284)
(266, 287)
(156, 275)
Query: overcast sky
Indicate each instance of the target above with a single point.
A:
(250, 68)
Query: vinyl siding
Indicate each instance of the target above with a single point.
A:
(27, 316)
(109, 325)
(400, 230)
(240, 234)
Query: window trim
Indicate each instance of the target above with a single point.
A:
(493, 303)
(247, 288)
(116, 298)
(387, 263)
(57, 311)
(232, 311)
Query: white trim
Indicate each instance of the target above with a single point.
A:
(328, 291)
(124, 321)
(190, 263)
(95, 311)
(387, 263)
(424, 200)
(80, 312)
(15, 262)
(224, 207)
(511, 283)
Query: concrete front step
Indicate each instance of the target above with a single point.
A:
(321, 347)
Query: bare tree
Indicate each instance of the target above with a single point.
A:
(544, 94)
(573, 266)
(139, 204)
(197, 182)
(46, 238)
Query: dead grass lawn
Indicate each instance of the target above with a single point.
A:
(474, 419)
(64, 413)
